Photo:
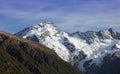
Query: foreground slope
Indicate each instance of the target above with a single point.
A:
(20, 56)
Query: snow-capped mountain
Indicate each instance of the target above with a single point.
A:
(86, 50)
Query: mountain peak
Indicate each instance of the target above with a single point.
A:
(42, 28)
(47, 24)
(112, 30)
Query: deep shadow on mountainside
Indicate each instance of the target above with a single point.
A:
(111, 65)
(21, 56)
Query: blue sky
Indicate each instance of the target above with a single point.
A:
(68, 15)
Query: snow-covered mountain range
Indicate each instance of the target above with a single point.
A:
(86, 50)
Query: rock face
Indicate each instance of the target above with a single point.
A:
(21, 56)
(86, 50)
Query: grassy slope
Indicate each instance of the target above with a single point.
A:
(19, 55)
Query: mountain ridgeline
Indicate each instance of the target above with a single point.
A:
(92, 52)
(21, 56)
